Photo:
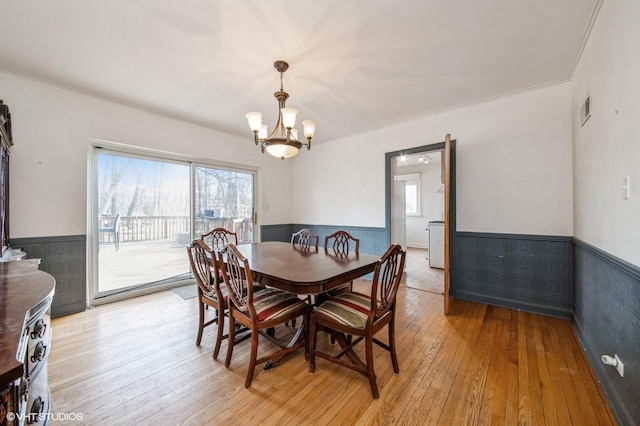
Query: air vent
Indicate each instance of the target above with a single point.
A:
(585, 110)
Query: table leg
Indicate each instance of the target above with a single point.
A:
(294, 341)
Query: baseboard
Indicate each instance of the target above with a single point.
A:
(514, 304)
(418, 246)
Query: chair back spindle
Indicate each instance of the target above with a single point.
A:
(341, 242)
(200, 257)
(239, 283)
(217, 238)
(304, 238)
(386, 280)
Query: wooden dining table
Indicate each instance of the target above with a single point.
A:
(304, 271)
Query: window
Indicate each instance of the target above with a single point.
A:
(412, 197)
(412, 193)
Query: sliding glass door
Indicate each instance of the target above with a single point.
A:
(148, 209)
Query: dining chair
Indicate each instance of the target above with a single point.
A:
(210, 291)
(259, 309)
(218, 237)
(303, 239)
(362, 316)
(113, 228)
(342, 243)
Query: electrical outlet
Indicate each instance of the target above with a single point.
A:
(619, 366)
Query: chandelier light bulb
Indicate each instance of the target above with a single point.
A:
(255, 120)
(264, 131)
(289, 117)
(309, 127)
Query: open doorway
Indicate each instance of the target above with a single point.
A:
(418, 272)
(417, 216)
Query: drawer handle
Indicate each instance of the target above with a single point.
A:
(39, 352)
(36, 409)
(38, 329)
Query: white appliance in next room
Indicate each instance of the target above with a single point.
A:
(436, 244)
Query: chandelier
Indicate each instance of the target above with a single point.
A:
(283, 141)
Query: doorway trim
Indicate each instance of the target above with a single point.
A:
(388, 179)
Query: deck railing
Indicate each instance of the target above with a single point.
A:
(149, 228)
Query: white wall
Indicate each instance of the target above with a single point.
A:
(52, 128)
(607, 147)
(513, 167)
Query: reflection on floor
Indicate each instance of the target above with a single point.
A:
(419, 275)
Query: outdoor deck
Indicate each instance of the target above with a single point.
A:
(153, 248)
(141, 262)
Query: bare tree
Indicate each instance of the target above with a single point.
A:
(108, 203)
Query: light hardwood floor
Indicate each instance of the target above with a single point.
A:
(135, 362)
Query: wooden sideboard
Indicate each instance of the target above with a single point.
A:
(25, 340)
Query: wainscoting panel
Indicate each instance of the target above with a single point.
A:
(607, 319)
(276, 232)
(372, 240)
(65, 259)
(528, 272)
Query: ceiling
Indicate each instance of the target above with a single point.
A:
(355, 65)
(424, 159)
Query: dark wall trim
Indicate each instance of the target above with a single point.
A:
(280, 232)
(64, 257)
(607, 321)
(372, 240)
(533, 273)
(632, 270)
(515, 236)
